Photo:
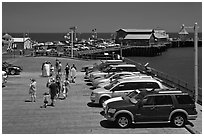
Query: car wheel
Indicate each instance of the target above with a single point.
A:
(178, 120)
(103, 99)
(123, 121)
(13, 72)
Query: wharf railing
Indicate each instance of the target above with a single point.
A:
(169, 81)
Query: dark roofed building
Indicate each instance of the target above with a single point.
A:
(141, 37)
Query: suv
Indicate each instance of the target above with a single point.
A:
(122, 87)
(112, 69)
(157, 107)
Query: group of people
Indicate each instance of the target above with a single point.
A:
(58, 88)
(48, 70)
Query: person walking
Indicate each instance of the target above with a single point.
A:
(42, 69)
(67, 69)
(66, 87)
(73, 73)
(52, 69)
(32, 90)
(45, 100)
(58, 82)
(53, 92)
(60, 68)
(57, 65)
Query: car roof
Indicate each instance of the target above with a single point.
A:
(123, 72)
(123, 65)
(111, 61)
(139, 79)
(168, 93)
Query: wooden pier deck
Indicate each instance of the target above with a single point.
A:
(126, 51)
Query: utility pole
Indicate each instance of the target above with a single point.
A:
(195, 27)
(196, 60)
(121, 44)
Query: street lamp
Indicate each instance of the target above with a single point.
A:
(73, 29)
(121, 44)
(195, 27)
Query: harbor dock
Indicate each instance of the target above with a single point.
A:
(75, 115)
(126, 51)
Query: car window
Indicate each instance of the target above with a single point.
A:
(113, 69)
(115, 76)
(163, 100)
(108, 87)
(148, 85)
(124, 86)
(184, 99)
(107, 69)
(132, 69)
(148, 100)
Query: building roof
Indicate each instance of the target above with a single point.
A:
(19, 39)
(137, 30)
(160, 35)
(137, 36)
(183, 31)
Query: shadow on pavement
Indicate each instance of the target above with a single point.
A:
(28, 100)
(86, 80)
(92, 88)
(90, 104)
(89, 84)
(110, 124)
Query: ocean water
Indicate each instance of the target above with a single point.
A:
(45, 37)
(176, 62)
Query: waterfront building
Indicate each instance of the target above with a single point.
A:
(22, 43)
(141, 37)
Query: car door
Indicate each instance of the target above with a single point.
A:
(147, 111)
(122, 89)
(164, 106)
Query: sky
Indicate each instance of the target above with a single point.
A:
(102, 16)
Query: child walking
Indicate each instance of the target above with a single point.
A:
(45, 100)
(32, 90)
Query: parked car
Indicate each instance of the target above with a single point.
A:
(136, 94)
(125, 77)
(111, 77)
(122, 87)
(112, 69)
(4, 78)
(11, 69)
(158, 107)
(101, 66)
(128, 96)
